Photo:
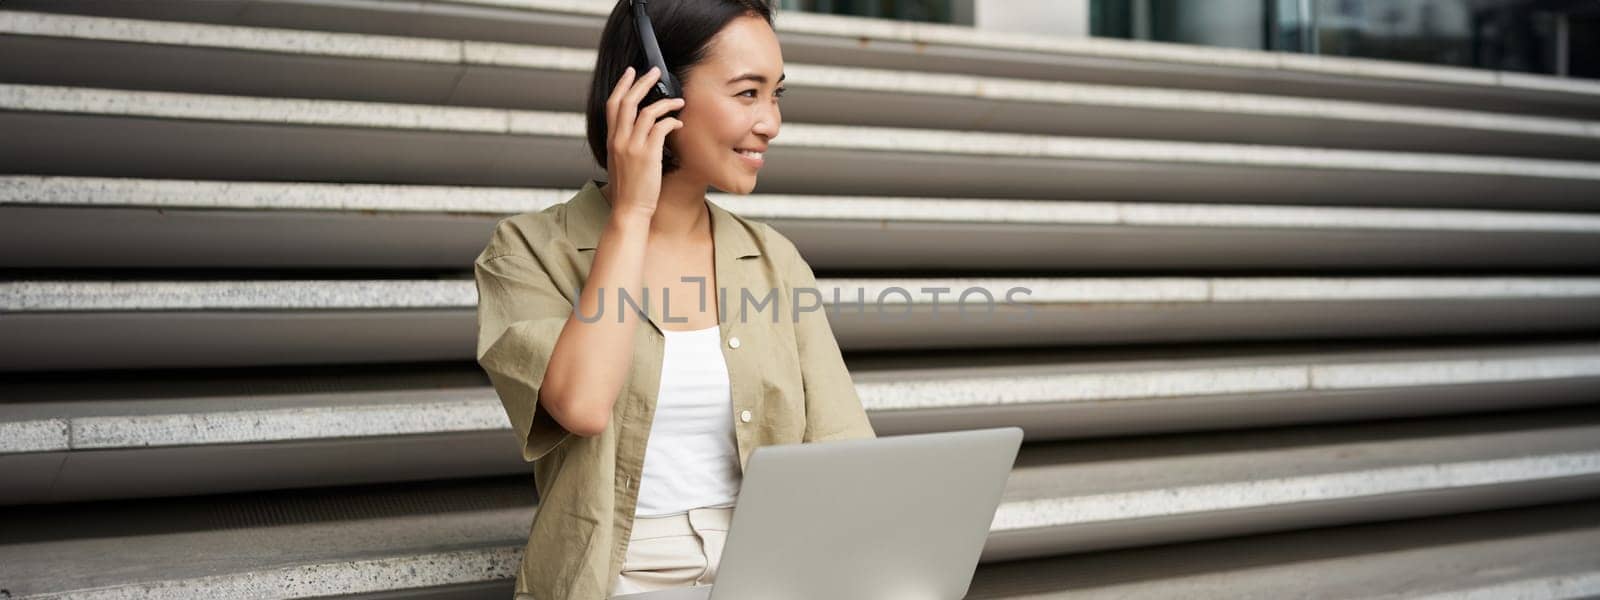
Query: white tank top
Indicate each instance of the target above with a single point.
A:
(691, 459)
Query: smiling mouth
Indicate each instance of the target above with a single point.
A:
(750, 153)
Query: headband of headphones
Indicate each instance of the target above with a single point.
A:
(667, 85)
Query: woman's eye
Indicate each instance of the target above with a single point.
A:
(777, 94)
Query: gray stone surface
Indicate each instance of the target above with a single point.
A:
(109, 192)
(1132, 485)
(813, 77)
(320, 294)
(427, 103)
(171, 105)
(133, 423)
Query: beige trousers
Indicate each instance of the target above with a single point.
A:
(674, 551)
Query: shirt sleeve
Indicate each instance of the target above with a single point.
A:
(833, 408)
(520, 315)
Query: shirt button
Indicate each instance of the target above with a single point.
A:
(744, 416)
(733, 342)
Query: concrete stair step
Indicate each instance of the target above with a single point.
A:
(1338, 446)
(77, 325)
(106, 132)
(1541, 552)
(912, 47)
(101, 52)
(162, 434)
(94, 222)
(1133, 492)
(449, 539)
(1062, 498)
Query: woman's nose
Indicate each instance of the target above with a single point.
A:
(768, 122)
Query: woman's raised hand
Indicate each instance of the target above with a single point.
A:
(636, 140)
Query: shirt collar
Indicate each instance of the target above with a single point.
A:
(732, 239)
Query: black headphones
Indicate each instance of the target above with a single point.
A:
(667, 86)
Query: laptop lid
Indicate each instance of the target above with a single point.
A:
(892, 518)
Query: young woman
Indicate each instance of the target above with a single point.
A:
(640, 425)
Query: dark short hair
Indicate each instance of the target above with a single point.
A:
(684, 29)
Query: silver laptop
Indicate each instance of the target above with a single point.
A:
(892, 518)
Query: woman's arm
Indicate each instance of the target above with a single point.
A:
(591, 360)
(533, 346)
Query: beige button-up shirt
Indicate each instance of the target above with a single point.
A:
(785, 370)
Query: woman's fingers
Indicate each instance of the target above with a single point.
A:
(641, 87)
(623, 103)
(647, 117)
(614, 101)
(659, 131)
(628, 110)
(634, 165)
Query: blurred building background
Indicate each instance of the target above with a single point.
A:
(1313, 284)
(1553, 37)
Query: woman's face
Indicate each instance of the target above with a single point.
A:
(730, 103)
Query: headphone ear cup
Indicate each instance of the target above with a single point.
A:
(666, 150)
(668, 159)
(651, 97)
